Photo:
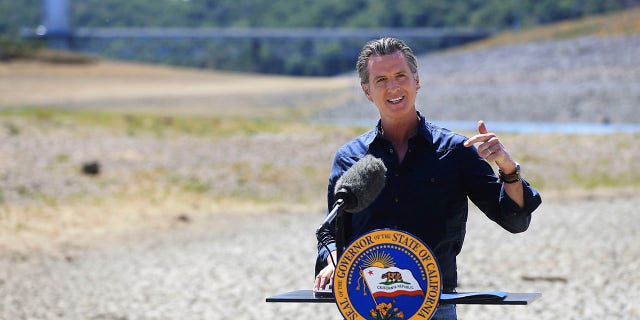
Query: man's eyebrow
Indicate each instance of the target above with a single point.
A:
(401, 72)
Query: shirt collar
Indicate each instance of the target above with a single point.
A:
(423, 130)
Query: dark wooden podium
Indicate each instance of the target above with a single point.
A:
(489, 297)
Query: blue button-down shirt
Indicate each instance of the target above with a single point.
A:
(426, 194)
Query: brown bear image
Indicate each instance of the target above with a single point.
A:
(392, 276)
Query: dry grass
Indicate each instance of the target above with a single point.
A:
(109, 85)
(564, 165)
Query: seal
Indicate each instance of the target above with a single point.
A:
(387, 274)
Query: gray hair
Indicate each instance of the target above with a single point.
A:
(381, 47)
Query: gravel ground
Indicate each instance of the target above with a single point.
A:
(43, 161)
(581, 255)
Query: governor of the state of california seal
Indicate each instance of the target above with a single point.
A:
(387, 274)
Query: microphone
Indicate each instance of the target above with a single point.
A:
(358, 187)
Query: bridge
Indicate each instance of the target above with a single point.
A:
(56, 24)
(56, 30)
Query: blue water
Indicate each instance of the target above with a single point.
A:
(544, 127)
(516, 127)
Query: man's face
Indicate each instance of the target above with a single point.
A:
(391, 87)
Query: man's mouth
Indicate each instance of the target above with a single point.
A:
(396, 100)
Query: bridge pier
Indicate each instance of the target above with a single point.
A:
(56, 24)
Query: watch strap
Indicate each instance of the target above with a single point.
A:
(511, 177)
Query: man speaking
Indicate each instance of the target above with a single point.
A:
(430, 171)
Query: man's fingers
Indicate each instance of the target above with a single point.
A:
(323, 278)
(470, 141)
(481, 127)
(321, 282)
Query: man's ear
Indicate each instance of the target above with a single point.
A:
(417, 78)
(365, 89)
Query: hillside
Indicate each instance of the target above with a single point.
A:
(587, 70)
(127, 87)
(587, 79)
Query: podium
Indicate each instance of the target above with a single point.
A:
(389, 273)
(488, 297)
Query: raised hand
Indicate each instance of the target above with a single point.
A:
(491, 149)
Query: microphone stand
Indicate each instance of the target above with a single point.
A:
(345, 199)
(343, 230)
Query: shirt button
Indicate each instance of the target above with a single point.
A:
(397, 174)
(391, 151)
(396, 200)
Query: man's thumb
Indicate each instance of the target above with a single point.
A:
(481, 127)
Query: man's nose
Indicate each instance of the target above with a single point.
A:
(392, 84)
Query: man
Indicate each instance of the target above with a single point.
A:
(430, 171)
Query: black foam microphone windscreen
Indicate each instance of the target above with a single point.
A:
(363, 182)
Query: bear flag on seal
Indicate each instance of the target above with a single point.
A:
(391, 282)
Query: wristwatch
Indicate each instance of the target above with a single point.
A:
(510, 178)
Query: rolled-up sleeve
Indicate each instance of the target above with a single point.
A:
(513, 218)
(489, 195)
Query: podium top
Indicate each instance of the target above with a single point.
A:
(487, 297)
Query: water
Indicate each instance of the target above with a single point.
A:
(524, 127)
(544, 127)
